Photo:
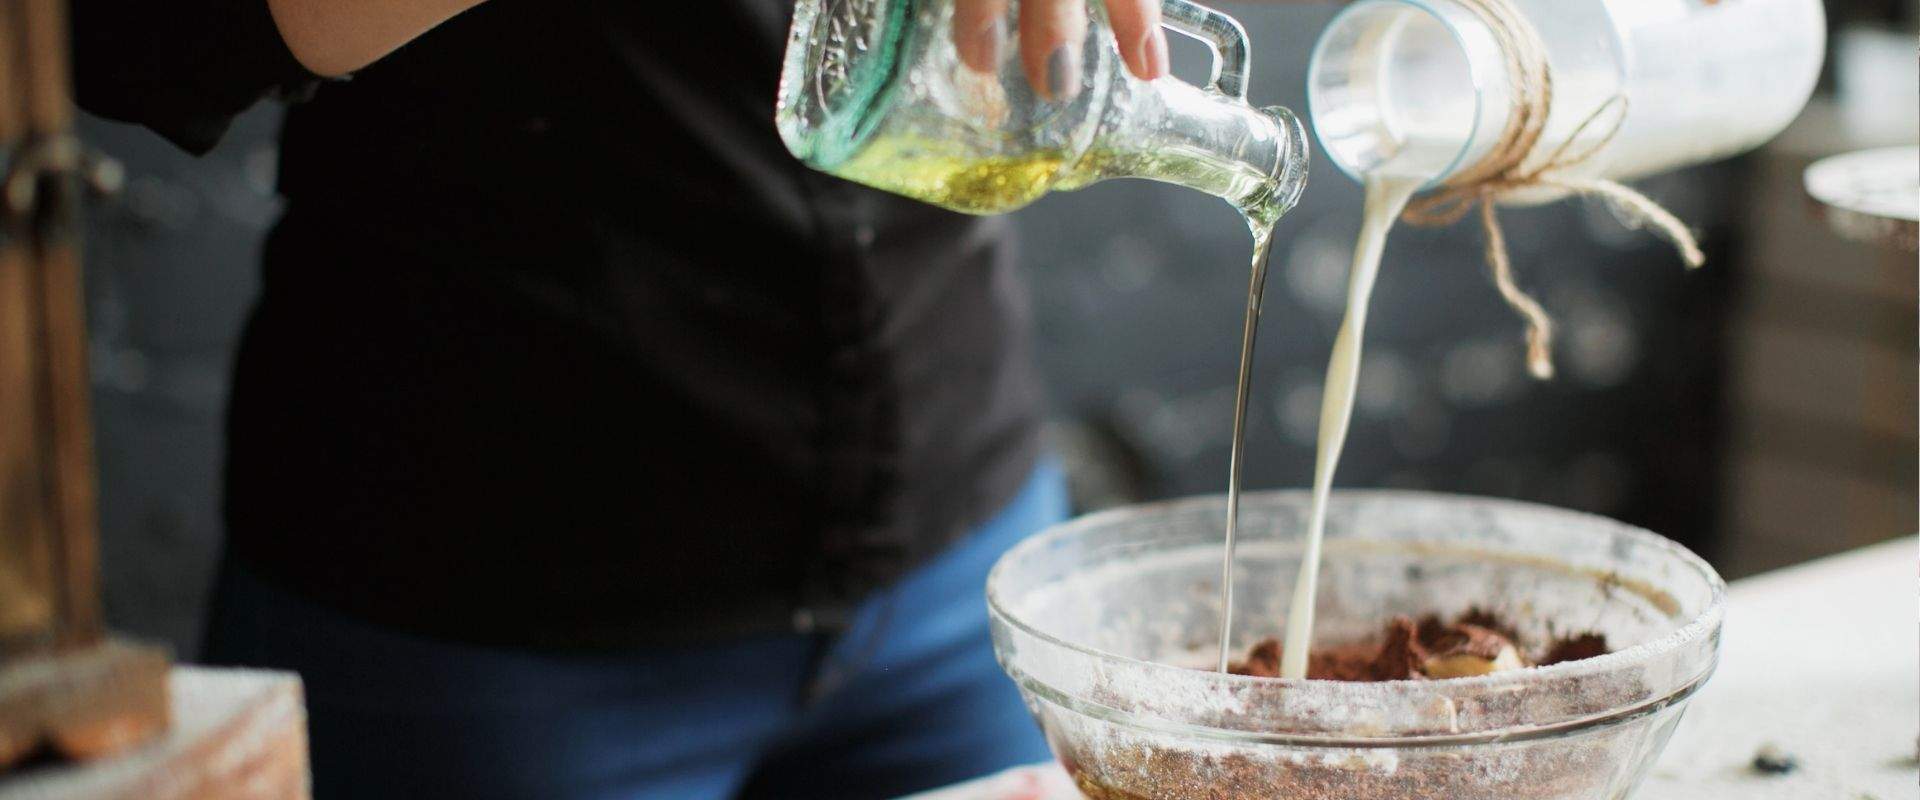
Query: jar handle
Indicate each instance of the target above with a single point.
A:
(1221, 33)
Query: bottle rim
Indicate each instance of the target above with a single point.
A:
(1318, 104)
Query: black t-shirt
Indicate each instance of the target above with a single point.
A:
(558, 346)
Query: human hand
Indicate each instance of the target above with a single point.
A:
(1051, 35)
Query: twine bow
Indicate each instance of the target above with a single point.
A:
(1511, 166)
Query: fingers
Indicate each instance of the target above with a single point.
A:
(979, 31)
(1051, 33)
(1136, 29)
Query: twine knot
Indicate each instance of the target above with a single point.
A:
(1512, 165)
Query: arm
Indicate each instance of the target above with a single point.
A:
(334, 37)
(186, 68)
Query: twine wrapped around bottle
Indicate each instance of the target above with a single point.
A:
(1511, 165)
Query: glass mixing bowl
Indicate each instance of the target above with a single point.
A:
(1109, 624)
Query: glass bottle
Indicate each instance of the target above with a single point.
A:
(1425, 83)
(874, 91)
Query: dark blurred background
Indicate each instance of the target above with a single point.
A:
(1761, 410)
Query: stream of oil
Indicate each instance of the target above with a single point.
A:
(1261, 214)
(1249, 331)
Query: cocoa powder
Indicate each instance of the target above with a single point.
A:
(1405, 646)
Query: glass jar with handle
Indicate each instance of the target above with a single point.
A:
(874, 91)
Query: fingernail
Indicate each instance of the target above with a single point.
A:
(983, 47)
(1157, 54)
(1063, 73)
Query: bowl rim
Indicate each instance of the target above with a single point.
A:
(1702, 624)
(1508, 734)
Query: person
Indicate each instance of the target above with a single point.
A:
(583, 444)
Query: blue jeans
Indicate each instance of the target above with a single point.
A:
(910, 697)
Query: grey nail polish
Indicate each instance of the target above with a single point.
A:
(1063, 73)
(992, 36)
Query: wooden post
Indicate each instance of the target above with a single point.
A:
(27, 594)
(67, 407)
(63, 686)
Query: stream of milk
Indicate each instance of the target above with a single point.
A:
(1387, 193)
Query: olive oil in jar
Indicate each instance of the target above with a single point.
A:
(926, 171)
(933, 172)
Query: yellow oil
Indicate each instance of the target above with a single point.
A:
(947, 175)
(932, 173)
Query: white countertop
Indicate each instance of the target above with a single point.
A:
(1822, 660)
